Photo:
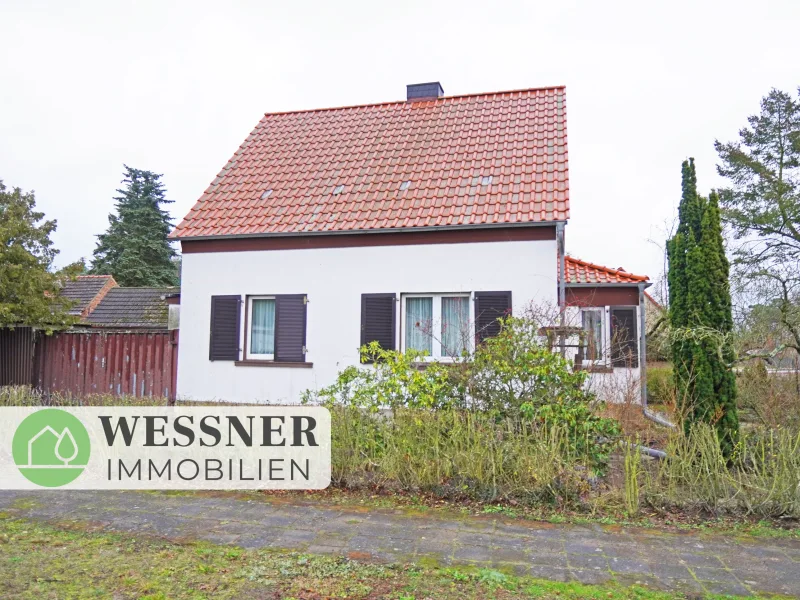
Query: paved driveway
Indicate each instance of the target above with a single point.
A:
(688, 563)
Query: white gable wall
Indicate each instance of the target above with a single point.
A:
(334, 280)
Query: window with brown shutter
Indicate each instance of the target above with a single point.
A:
(490, 307)
(290, 328)
(624, 338)
(379, 320)
(225, 315)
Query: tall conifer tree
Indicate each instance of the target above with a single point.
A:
(700, 313)
(135, 248)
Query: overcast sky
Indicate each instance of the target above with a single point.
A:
(175, 88)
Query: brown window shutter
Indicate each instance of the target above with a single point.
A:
(290, 328)
(225, 315)
(379, 320)
(624, 338)
(490, 307)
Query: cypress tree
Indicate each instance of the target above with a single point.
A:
(135, 248)
(700, 313)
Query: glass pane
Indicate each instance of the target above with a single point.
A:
(262, 327)
(593, 325)
(455, 325)
(419, 324)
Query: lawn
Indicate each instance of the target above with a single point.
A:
(47, 561)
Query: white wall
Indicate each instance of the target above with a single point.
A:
(334, 280)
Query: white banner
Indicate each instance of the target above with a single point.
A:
(165, 448)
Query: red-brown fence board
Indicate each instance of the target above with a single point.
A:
(132, 363)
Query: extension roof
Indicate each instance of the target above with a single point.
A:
(582, 272)
(476, 160)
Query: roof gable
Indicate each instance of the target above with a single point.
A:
(85, 291)
(487, 159)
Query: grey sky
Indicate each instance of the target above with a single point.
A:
(175, 87)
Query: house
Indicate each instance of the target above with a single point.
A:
(416, 223)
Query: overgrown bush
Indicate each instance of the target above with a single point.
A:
(512, 389)
(769, 399)
(392, 380)
(516, 373)
(761, 477)
(456, 453)
(661, 385)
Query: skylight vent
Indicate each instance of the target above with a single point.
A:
(266, 194)
(338, 190)
(405, 185)
(486, 180)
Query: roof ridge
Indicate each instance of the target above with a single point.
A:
(92, 276)
(607, 269)
(393, 102)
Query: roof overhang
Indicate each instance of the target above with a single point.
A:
(645, 284)
(368, 231)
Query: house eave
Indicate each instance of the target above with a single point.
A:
(294, 234)
(632, 284)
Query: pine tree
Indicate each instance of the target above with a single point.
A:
(135, 248)
(700, 313)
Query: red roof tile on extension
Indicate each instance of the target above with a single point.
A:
(484, 159)
(579, 271)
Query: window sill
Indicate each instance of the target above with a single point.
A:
(595, 368)
(274, 364)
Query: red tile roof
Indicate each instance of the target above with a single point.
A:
(341, 169)
(579, 271)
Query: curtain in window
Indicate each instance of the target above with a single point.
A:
(262, 328)
(593, 325)
(455, 325)
(419, 320)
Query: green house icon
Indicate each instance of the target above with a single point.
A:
(51, 447)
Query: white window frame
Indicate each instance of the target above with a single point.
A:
(604, 359)
(436, 325)
(249, 355)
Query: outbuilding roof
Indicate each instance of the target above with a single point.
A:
(132, 307)
(476, 160)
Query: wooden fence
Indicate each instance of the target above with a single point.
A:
(135, 363)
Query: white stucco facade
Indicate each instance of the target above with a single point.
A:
(334, 279)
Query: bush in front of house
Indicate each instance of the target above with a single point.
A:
(509, 420)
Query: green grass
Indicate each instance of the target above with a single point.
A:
(44, 561)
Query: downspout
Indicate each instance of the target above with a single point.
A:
(643, 361)
(562, 290)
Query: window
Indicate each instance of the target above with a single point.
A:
(274, 330)
(261, 337)
(594, 338)
(437, 324)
